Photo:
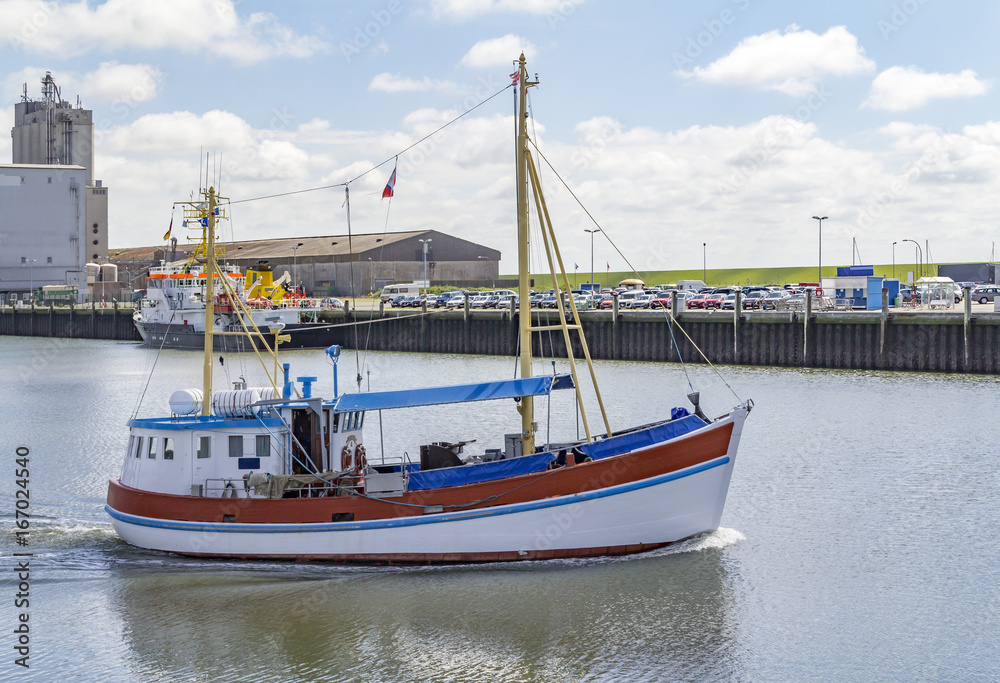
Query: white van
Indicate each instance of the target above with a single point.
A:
(392, 291)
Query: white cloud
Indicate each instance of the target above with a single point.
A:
(466, 9)
(498, 52)
(793, 62)
(387, 82)
(124, 85)
(209, 26)
(901, 88)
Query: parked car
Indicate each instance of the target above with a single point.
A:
(713, 301)
(753, 300)
(697, 301)
(507, 302)
(984, 294)
(729, 303)
(642, 301)
(661, 301)
(442, 299)
(478, 301)
(457, 301)
(400, 301)
(331, 302)
(419, 300)
(771, 301)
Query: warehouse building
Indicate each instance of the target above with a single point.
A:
(327, 265)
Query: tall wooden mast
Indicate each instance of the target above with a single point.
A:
(523, 265)
(206, 381)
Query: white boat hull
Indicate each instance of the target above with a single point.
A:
(638, 515)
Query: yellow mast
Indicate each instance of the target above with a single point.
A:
(523, 266)
(206, 380)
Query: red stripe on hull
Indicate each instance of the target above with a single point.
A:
(449, 558)
(621, 469)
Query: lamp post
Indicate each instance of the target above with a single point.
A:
(893, 260)
(592, 255)
(425, 243)
(295, 265)
(492, 264)
(31, 278)
(919, 254)
(371, 275)
(819, 272)
(704, 262)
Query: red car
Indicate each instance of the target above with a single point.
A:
(660, 302)
(713, 301)
(697, 301)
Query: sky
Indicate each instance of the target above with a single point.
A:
(693, 133)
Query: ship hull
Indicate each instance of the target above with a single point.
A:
(623, 504)
(302, 336)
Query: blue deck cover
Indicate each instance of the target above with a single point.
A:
(642, 438)
(473, 474)
(458, 393)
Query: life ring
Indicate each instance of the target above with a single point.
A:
(353, 458)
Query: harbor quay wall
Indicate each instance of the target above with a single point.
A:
(928, 342)
(76, 322)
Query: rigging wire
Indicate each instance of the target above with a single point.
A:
(383, 163)
(636, 273)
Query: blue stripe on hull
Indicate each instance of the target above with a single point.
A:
(233, 527)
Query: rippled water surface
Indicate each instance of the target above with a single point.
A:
(858, 542)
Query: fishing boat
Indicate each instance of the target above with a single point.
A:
(276, 472)
(172, 314)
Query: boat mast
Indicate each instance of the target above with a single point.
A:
(523, 266)
(206, 381)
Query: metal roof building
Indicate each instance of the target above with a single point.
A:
(326, 265)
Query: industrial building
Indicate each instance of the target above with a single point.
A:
(53, 212)
(42, 230)
(326, 265)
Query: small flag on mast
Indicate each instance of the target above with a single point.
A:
(169, 230)
(515, 77)
(387, 192)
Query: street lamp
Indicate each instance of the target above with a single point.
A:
(31, 278)
(492, 270)
(425, 243)
(592, 255)
(919, 253)
(893, 260)
(704, 262)
(819, 275)
(295, 265)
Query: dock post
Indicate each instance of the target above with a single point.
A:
(381, 308)
(885, 319)
(466, 316)
(737, 311)
(967, 301)
(805, 326)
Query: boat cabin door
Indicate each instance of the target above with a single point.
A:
(310, 433)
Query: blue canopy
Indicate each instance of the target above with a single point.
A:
(458, 393)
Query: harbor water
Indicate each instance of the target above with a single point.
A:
(858, 541)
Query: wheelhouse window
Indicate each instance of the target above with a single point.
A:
(168, 448)
(236, 446)
(152, 447)
(262, 446)
(138, 447)
(205, 447)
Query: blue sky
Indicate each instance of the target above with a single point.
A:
(728, 122)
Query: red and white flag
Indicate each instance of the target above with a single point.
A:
(515, 77)
(387, 192)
